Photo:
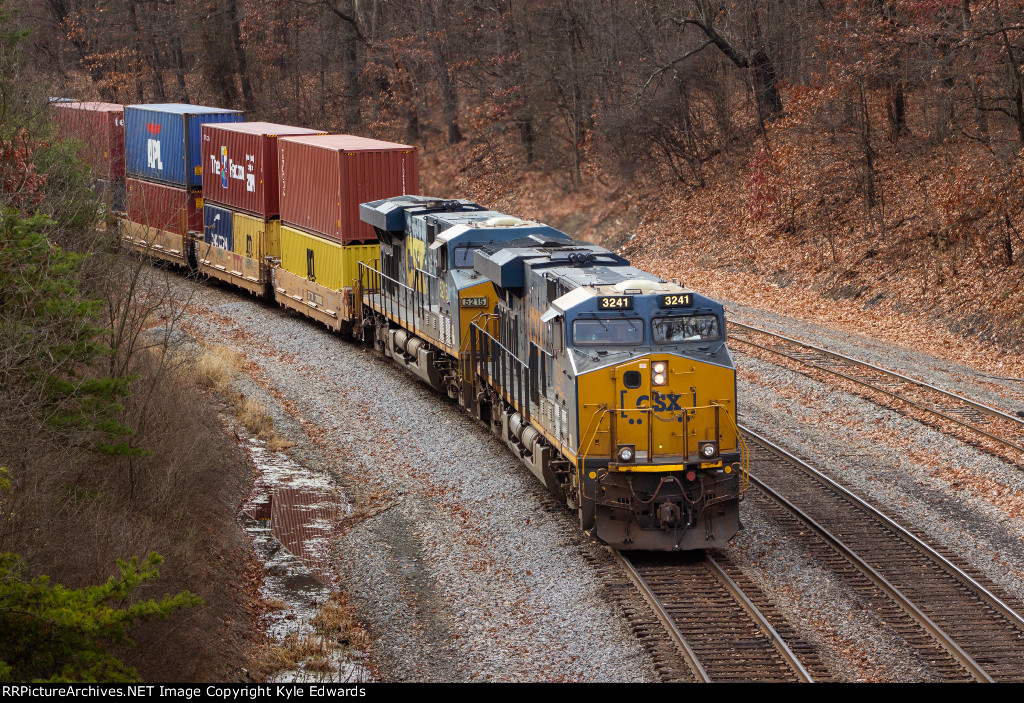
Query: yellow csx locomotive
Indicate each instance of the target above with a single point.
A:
(615, 387)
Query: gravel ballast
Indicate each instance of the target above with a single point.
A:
(465, 569)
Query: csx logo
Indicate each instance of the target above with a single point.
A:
(660, 402)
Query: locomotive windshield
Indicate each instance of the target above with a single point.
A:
(686, 328)
(608, 331)
(464, 256)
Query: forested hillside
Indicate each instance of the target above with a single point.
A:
(865, 146)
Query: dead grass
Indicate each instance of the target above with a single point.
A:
(277, 443)
(215, 367)
(334, 631)
(274, 604)
(214, 370)
(254, 417)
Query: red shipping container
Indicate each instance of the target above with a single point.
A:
(324, 179)
(164, 207)
(101, 127)
(240, 165)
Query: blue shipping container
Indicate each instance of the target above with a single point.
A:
(163, 142)
(218, 227)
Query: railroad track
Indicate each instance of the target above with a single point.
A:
(717, 630)
(956, 620)
(978, 419)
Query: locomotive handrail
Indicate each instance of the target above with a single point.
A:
(741, 443)
(513, 381)
(392, 305)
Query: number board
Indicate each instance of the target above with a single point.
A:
(676, 300)
(615, 302)
(474, 302)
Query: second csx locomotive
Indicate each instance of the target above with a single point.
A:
(615, 387)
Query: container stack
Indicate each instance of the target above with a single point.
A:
(323, 181)
(164, 176)
(100, 129)
(241, 223)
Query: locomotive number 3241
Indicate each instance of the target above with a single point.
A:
(615, 302)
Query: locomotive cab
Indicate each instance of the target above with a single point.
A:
(659, 456)
(630, 385)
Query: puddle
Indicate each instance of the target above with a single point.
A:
(291, 518)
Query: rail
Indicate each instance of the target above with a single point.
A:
(926, 550)
(946, 413)
(728, 620)
(935, 631)
(685, 650)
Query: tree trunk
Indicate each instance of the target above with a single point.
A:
(762, 70)
(241, 62)
(140, 93)
(870, 186)
(449, 93)
(896, 107)
(353, 69)
(179, 67)
(526, 134)
(769, 102)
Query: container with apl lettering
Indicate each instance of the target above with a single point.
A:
(163, 142)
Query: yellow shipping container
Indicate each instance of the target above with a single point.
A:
(323, 261)
(255, 237)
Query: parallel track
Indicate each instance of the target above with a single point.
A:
(977, 418)
(955, 620)
(718, 631)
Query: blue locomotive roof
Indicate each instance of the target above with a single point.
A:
(579, 263)
(391, 214)
(458, 223)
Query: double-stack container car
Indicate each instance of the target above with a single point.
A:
(323, 180)
(99, 127)
(242, 232)
(163, 147)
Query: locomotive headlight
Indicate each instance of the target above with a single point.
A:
(659, 373)
(626, 453)
(708, 450)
